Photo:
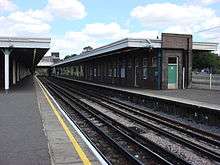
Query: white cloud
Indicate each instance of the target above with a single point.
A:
(7, 5)
(173, 18)
(37, 22)
(25, 23)
(164, 15)
(70, 9)
(202, 2)
(152, 34)
(30, 16)
(95, 35)
(107, 31)
(70, 43)
(208, 2)
(91, 34)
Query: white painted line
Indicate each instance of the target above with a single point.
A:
(91, 147)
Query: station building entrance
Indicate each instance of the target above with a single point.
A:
(172, 72)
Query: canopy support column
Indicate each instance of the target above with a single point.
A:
(7, 52)
(18, 71)
(14, 71)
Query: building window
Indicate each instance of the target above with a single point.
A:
(123, 72)
(94, 72)
(114, 72)
(82, 71)
(144, 73)
(109, 70)
(99, 70)
(172, 60)
(144, 61)
(104, 70)
(144, 68)
(71, 70)
(154, 61)
(90, 72)
(130, 62)
(118, 71)
(77, 71)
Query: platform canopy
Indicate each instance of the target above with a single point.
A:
(18, 56)
(27, 50)
(135, 43)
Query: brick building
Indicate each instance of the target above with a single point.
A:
(164, 63)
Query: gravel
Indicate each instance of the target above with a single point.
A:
(178, 149)
(208, 128)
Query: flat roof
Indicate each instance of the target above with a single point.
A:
(24, 42)
(134, 43)
(28, 50)
(46, 61)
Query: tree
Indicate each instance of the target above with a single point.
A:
(203, 60)
(69, 56)
(86, 49)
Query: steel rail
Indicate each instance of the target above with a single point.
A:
(131, 157)
(211, 154)
(111, 141)
(173, 157)
(195, 132)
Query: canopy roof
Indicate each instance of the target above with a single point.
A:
(135, 43)
(28, 51)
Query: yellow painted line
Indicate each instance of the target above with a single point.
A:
(74, 142)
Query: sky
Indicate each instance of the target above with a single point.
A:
(75, 24)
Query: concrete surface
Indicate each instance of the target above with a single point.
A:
(61, 150)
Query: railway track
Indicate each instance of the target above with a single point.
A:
(132, 113)
(131, 146)
(198, 133)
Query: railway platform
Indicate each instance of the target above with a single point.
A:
(22, 139)
(34, 131)
(196, 106)
(197, 97)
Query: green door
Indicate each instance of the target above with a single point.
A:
(172, 69)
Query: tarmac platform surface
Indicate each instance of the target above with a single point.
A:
(22, 139)
(202, 95)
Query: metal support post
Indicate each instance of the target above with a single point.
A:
(14, 71)
(18, 71)
(7, 52)
(183, 77)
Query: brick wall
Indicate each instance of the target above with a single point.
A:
(177, 45)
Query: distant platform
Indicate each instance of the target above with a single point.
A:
(198, 97)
